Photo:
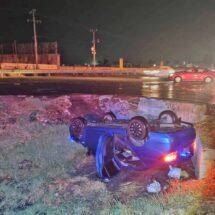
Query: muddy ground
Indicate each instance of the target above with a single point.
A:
(42, 172)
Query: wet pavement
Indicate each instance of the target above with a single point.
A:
(150, 87)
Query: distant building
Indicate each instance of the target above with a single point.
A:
(24, 53)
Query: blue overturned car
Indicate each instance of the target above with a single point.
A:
(135, 144)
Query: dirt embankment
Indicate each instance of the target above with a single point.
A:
(41, 172)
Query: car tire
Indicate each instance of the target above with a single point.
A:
(76, 128)
(178, 79)
(164, 115)
(208, 80)
(109, 117)
(137, 130)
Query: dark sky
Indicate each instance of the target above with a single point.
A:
(137, 30)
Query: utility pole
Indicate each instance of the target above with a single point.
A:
(93, 48)
(15, 51)
(35, 21)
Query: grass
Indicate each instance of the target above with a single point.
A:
(52, 158)
(177, 200)
(60, 181)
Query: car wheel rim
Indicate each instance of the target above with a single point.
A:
(168, 116)
(137, 130)
(178, 79)
(208, 80)
(109, 117)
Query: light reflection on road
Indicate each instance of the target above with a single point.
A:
(147, 87)
(194, 92)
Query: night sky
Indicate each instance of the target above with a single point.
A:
(137, 30)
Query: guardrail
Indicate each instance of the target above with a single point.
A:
(84, 70)
(67, 72)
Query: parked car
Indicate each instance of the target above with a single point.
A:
(193, 74)
(135, 144)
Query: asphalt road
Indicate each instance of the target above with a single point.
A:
(195, 92)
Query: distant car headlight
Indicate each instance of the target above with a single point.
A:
(171, 71)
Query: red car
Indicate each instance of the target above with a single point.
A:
(193, 74)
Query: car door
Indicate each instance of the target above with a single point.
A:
(106, 166)
(199, 75)
(189, 75)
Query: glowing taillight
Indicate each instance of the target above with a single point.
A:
(170, 157)
(194, 146)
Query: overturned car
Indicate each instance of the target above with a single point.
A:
(134, 144)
